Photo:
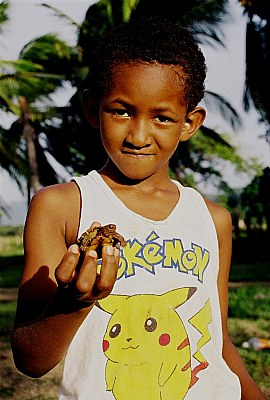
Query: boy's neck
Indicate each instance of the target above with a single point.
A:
(114, 178)
(154, 197)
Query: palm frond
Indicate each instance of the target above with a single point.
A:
(62, 15)
(7, 104)
(128, 7)
(3, 13)
(217, 102)
(204, 17)
(11, 159)
(213, 135)
(19, 65)
(24, 77)
(207, 35)
(45, 48)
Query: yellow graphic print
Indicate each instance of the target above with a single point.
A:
(148, 348)
(200, 321)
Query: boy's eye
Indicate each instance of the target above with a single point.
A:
(163, 119)
(120, 112)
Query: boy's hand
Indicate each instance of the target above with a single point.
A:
(85, 285)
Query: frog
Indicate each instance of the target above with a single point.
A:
(97, 237)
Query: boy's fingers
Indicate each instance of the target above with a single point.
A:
(98, 285)
(88, 272)
(65, 270)
(95, 224)
(108, 274)
(88, 284)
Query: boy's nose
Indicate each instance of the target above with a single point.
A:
(139, 134)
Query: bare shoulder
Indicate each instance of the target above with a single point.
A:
(57, 206)
(221, 218)
(55, 194)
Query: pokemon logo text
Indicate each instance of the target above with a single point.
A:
(170, 254)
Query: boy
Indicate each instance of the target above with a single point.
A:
(151, 322)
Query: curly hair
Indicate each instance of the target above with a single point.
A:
(149, 40)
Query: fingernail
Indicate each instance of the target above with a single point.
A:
(116, 252)
(109, 250)
(74, 249)
(92, 253)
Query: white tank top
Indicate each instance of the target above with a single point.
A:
(158, 335)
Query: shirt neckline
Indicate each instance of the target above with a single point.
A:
(121, 207)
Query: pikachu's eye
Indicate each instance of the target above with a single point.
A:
(115, 330)
(150, 325)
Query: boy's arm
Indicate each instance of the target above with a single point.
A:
(223, 224)
(49, 311)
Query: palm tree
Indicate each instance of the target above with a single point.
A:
(257, 84)
(26, 84)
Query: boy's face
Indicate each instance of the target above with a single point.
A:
(142, 118)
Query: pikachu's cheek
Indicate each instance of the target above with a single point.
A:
(164, 339)
(105, 345)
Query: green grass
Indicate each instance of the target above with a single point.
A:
(7, 314)
(11, 240)
(249, 310)
(250, 302)
(243, 329)
(10, 270)
(11, 259)
(250, 272)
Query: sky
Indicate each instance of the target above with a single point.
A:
(226, 68)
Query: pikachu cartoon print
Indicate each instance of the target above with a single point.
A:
(147, 346)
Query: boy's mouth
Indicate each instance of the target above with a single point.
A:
(136, 153)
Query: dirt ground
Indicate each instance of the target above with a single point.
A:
(16, 386)
(13, 384)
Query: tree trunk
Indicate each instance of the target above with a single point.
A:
(29, 136)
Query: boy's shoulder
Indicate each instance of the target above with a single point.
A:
(57, 194)
(221, 217)
(59, 205)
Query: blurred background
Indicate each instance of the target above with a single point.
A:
(45, 49)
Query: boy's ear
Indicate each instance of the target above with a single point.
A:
(193, 122)
(90, 108)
